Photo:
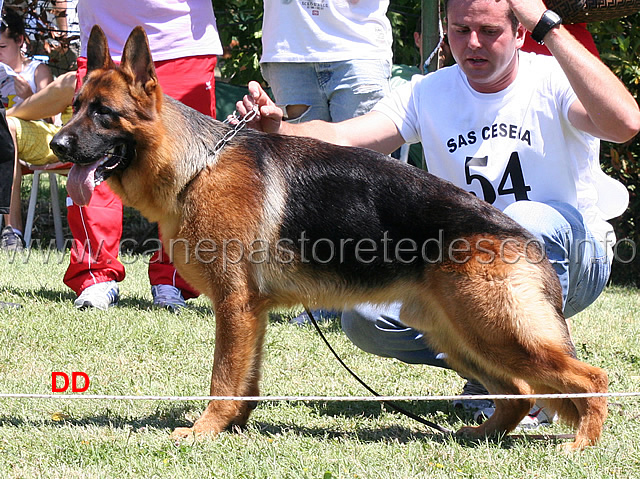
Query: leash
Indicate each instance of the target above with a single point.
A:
(390, 404)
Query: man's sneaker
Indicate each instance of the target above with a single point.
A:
(473, 388)
(99, 296)
(538, 416)
(319, 315)
(11, 240)
(167, 297)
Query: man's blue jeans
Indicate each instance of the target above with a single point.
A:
(333, 91)
(580, 261)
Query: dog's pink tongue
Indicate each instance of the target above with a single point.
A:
(81, 183)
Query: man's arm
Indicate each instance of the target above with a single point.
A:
(49, 101)
(604, 107)
(373, 130)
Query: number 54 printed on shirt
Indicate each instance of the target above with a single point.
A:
(513, 172)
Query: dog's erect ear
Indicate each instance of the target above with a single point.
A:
(98, 51)
(136, 59)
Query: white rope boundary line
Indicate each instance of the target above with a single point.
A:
(314, 398)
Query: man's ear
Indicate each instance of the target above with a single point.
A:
(521, 33)
(98, 51)
(137, 61)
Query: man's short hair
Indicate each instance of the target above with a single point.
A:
(512, 16)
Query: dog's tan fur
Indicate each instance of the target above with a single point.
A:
(498, 319)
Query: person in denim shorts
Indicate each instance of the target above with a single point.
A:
(326, 61)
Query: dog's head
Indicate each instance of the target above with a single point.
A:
(111, 112)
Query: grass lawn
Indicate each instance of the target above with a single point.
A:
(134, 350)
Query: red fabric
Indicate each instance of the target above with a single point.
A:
(578, 30)
(190, 80)
(96, 230)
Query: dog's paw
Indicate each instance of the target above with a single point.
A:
(181, 433)
(572, 447)
(470, 433)
(195, 433)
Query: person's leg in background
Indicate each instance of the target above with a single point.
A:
(94, 269)
(579, 259)
(297, 91)
(7, 153)
(355, 86)
(190, 80)
(11, 237)
(31, 142)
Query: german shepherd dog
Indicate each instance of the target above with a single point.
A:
(272, 220)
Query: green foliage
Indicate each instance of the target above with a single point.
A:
(404, 15)
(240, 28)
(619, 44)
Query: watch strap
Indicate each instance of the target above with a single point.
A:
(547, 22)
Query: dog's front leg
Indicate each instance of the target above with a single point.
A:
(240, 327)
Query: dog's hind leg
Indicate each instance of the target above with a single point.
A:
(467, 353)
(508, 412)
(240, 325)
(549, 369)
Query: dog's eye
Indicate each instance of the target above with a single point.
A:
(100, 109)
(103, 110)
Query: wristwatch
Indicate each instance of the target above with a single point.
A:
(547, 22)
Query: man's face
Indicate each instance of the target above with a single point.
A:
(483, 42)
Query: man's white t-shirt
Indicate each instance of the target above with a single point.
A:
(516, 144)
(305, 31)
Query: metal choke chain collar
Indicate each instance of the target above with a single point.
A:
(250, 115)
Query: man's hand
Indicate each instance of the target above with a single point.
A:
(269, 116)
(528, 12)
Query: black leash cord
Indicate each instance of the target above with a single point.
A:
(392, 405)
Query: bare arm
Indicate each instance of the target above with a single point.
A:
(49, 101)
(373, 130)
(604, 107)
(42, 76)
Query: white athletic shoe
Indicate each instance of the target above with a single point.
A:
(537, 417)
(100, 296)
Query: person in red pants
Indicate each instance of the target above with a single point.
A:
(184, 42)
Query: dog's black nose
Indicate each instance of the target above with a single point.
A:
(62, 145)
